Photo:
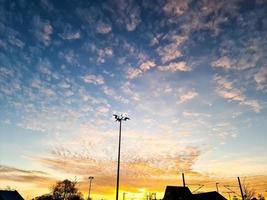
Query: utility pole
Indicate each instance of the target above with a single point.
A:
(240, 186)
(90, 183)
(183, 179)
(217, 187)
(119, 118)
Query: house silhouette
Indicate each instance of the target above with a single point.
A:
(183, 193)
(10, 195)
(208, 195)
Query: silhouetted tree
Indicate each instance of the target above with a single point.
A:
(248, 192)
(63, 190)
(45, 197)
(66, 190)
(260, 197)
(77, 196)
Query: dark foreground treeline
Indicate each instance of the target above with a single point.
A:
(63, 190)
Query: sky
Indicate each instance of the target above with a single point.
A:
(191, 75)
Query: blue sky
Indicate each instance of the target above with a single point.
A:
(191, 75)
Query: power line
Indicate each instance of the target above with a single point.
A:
(231, 190)
(231, 186)
(201, 186)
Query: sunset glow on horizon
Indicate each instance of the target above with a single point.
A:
(191, 75)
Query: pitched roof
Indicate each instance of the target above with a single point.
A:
(10, 195)
(177, 193)
(208, 196)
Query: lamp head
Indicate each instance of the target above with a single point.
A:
(121, 117)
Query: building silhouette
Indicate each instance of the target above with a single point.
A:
(183, 193)
(10, 195)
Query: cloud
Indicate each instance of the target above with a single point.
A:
(47, 5)
(226, 90)
(195, 114)
(171, 44)
(111, 93)
(15, 41)
(133, 19)
(147, 65)
(70, 57)
(126, 13)
(12, 88)
(42, 30)
(185, 133)
(74, 163)
(104, 53)
(224, 130)
(169, 52)
(254, 104)
(145, 155)
(128, 89)
(223, 62)
(206, 15)
(261, 78)
(47, 92)
(239, 62)
(102, 110)
(175, 7)
(187, 96)
(103, 28)
(94, 79)
(69, 33)
(251, 166)
(6, 72)
(175, 66)
(64, 84)
(39, 178)
(133, 73)
(241, 54)
(71, 36)
(69, 93)
(8, 169)
(45, 66)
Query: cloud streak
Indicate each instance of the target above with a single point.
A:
(38, 178)
(226, 90)
(176, 66)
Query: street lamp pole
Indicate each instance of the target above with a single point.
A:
(90, 183)
(118, 167)
(119, 118)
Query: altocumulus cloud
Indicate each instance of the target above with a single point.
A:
(191, 75)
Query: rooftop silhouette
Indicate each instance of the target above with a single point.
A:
(183, 193)
(10, 195)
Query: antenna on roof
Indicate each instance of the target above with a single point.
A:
(183, 179)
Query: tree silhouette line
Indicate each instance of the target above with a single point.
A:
(63, 190)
